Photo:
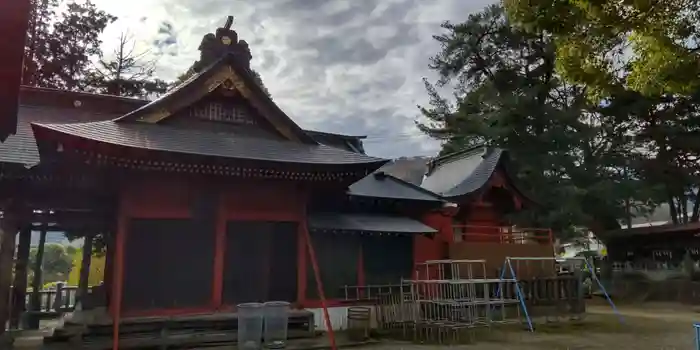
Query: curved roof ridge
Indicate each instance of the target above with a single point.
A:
(453, 156)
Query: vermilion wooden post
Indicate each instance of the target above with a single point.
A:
(14, 21)
(361, 279)
(117, 285)
(301, 266)
(219, 257)
(319, 287)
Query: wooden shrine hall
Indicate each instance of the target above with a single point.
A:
(211, 195)
(204, 197)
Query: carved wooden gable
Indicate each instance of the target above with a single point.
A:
(224, 110)
(222, 71)
(232, 110)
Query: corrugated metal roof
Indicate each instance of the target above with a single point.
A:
(367, 223)
(382, 185)
(462, 173)
(207, 143)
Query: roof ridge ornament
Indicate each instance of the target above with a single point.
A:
(225, 41)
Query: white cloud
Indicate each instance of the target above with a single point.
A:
(343, 66)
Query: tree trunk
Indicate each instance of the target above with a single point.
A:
(19, 286)
(696, 207)
(85, 267)
(38, 271)
(683, 202)
(672, 209)
(8, 232)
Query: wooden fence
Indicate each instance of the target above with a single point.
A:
(670, 290)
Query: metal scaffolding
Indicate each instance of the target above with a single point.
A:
(447, 300)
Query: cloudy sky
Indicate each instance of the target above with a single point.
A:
(352, 67)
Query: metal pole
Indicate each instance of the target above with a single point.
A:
(602, 288)
(520, 296)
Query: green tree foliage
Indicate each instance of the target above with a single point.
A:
(57, 262)
(36, 53)
(649, 45)
(640, 57)
(570, 154)
(60, 45)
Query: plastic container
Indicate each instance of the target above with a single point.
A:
(250, 326)
(276, 323)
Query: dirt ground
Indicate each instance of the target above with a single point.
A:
(647, 327)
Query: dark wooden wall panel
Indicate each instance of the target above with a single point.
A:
(337, 256)
(284, 263)
(260, 262)
(387, 259)
(169, 265)
(246, 260)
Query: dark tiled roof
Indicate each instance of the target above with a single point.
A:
(346, 142)
(367, 223)
(382, 185)
(462, 173)
(21, 148)
(207, 143)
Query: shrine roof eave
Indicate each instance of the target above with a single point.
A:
(107, 136)
(668, 230)
(366, 223)
(474, 183)
(385, 186)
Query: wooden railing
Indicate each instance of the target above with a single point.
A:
(502, 234)
(59, 299)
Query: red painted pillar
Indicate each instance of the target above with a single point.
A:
(301, 264)
(361, 279)
(302, 233)
(117, 287)
(219, 257)
(14, 21)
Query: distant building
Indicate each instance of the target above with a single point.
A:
(661, 215)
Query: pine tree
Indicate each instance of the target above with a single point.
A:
(567, 152)
(59, 55)
(128, 73)
(641, 58)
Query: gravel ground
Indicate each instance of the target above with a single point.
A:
(645, 328)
